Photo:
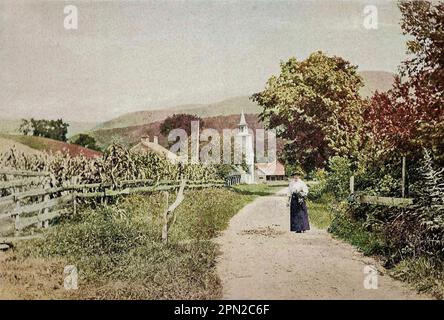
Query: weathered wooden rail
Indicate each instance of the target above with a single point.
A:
(385, 201)
(35, 203)
(377, 200)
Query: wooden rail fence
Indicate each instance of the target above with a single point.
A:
(26, 198)
(383, 201)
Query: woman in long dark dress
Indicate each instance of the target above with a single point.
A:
(297, 192)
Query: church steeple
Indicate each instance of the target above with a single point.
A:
(244, 140)
(242, 123)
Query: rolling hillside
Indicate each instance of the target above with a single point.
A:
(8, 144)
(31, 144)
(131, 135)
(222, 108)
(374, 80)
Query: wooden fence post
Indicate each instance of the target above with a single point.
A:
(17, 217)
(74, 202)
(46, 198)
(170, 210)
(165, 219)
(403, 177)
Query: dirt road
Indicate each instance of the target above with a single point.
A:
(261, 259)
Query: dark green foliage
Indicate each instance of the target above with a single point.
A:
(402, 236)
(52, 129)
(179, 121)
(318, 187)
(86, 141)
(426, 217)
(294, 169)
(223, 170)
(345, 227)
(338, 177)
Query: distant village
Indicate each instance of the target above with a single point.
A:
(252, 172)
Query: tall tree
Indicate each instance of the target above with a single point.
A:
(396, 118)
(411, 114)
(423, 22)
(316, 107)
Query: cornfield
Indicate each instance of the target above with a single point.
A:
(116, 164)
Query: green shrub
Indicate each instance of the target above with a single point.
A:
(418, 230)
(86, 141)
(424, 273)
(319, 185)
(294, 169)
(344, 227)
(338, 179)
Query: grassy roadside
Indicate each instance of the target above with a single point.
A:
(119, 255)
(260, 189)
(424, 274)
(320, 212)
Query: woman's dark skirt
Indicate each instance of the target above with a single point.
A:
(298, 215)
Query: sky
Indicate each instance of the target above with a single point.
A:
(138, 55)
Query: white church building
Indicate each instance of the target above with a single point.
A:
(257, 172)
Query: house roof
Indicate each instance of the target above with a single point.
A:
(271, 169)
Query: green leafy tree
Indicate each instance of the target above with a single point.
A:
(429, 208)
(86, 141)
(179, 121)
(25, 127)
(52, 129)
(316, 107)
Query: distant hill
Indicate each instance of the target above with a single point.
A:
(29, 144)
(374, 80)
(129, 136)
(11, 126)
(222, 108)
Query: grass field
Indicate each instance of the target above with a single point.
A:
(261, 189)
(119, 255)
(320, 213)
